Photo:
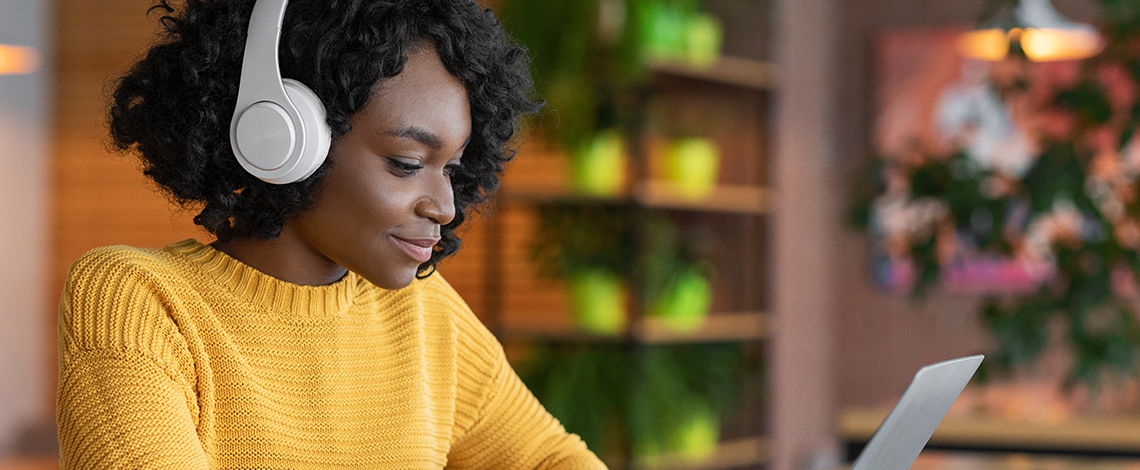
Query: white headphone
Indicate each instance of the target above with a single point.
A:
(278, 132)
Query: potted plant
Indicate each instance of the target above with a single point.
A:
(677, 31)
(676, 285)
(591, 246)
(589, 58)
(642, 403)
(692, 165)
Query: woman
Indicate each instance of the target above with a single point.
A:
(314, 332)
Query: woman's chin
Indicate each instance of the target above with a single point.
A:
(391, 280)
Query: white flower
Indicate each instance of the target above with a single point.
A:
(1063, 223)
(1130, 157)
(914, 219)
(971, 115)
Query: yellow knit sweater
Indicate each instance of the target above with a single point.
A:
(187, 358)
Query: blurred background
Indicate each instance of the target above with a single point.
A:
(736, 231)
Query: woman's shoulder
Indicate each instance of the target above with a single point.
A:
(124, 258)
(116, 297)
(110, 276)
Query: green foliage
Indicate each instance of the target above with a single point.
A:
(1057, 175)
(589, 58)
(586, 388)
(1121, 18)
(591, 236)
(1022, 329)
(1089, 102)
(666, 254)
(868, 186)
(614, 394)
(583, 66)
(577, 237)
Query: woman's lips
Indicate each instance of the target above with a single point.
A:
(418, 249)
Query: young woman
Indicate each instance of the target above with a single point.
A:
(314, 332)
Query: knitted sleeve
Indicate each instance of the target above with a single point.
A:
(125, 397)
(500, 424)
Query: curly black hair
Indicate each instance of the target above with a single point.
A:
(174, 106)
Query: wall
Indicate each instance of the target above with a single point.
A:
(99, 198)
(24, 135)
(887, 337)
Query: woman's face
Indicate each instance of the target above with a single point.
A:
(379, 210)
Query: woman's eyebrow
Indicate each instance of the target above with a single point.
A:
(418, 134)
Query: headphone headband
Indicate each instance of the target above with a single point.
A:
(261, 68)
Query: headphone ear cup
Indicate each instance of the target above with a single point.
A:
(318, 137)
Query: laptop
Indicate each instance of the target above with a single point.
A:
(902, 435)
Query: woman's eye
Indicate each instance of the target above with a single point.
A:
(403, 168)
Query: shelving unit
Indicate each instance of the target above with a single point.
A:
(523, 309)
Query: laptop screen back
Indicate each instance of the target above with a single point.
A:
(901, 437)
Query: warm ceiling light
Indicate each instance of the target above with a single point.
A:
(985, 44)
(1043, 34)
(1043, 45)
(15, 60)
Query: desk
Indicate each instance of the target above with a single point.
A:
(941, 460)
(1104, 436)
(30, 463)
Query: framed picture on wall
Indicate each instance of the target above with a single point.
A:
(930, 102)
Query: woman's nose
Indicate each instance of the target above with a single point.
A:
(438, 203)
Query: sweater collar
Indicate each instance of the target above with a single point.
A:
(292, 301)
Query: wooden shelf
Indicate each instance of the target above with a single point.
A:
(736, 199)
(551, 334)
(735, 71)
(735, 326)
(1116, 435)
(718, 327)
(551, 195)
(729, 454)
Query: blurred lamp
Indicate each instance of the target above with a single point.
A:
(16, 60)
(1041, 32)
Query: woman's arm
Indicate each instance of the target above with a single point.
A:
(513, 430)
(117, 411)
(127, 396)
(498, 422)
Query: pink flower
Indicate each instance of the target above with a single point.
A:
(1054, 123)
(1127, 232)
(1102, 139)
(1059, 74)
(1119, 86)
(1046, 78)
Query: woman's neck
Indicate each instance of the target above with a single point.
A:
(286, 257)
